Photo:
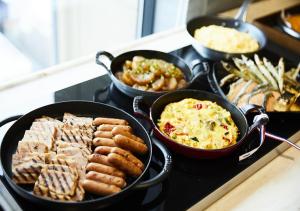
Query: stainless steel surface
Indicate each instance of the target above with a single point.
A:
(242, 13)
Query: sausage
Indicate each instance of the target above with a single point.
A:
(128, 156)
(98, 141)
(107, 127)
(104, 169)
(118, 130)
(97, 158)
(103, 134)
(105, 178)
(105, 150)
(129, 144)
(112, 121)
(99, 188)
(125, 165)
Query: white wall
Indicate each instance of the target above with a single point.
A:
(85, 27)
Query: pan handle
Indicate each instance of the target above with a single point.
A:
(164, 172)
(10, 119)
(242, 13)
(106, 54)
(259, 122)
(198, 72)
(137, 101)
(278, 138)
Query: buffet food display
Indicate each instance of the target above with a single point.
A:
(198, 123)
(63, 159)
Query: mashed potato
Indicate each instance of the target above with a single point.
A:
(199, 124)
(226, 39)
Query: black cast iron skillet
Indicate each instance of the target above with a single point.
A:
(80, 108)
(285, 26)
(238, 23)
(238, 116)
(116, 64)
(218, 72)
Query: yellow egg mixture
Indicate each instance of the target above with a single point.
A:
(199, 124)
(226, 39)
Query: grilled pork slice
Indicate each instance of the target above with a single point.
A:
(75, 136)
(44, 192)
(49, 119)
(64, 183)
(39, 136)
(46, 126)
(79, 193)
(70, 149)
(24, 178)
(29, 147)
(83, 123)
(74, 153)
(26, 169)
(75, 120)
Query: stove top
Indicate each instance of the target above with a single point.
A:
(190, 181)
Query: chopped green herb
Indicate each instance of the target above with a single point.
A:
(195, 139)
(174, 136)
(226, 133)
(227, 121)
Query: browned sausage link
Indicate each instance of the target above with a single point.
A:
(106, 127)
(130, 157)
(105, 178)
(97, 158)
(104, 169)
(100, 188)
(104, 142)
(125, 165)
(103, 150)
(118, 130)
(129, 144)
(103, 134)
(112, 121)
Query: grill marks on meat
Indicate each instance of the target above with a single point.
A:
(81, 123)
(75, 136)
(53, 156)
(74, 153)
(26, 169)
(39, 136)
(59, 182)
(29, 147)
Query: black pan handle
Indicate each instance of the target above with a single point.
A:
(259, 122)
(137, 101)
(164, 172)
(101, 63)
(198, 72)
(10, 119)
(242, 13)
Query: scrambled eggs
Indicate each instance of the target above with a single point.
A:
(199, 124)
(225, 39)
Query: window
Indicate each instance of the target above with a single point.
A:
(36, 34)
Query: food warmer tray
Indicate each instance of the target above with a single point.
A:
(190, 181)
